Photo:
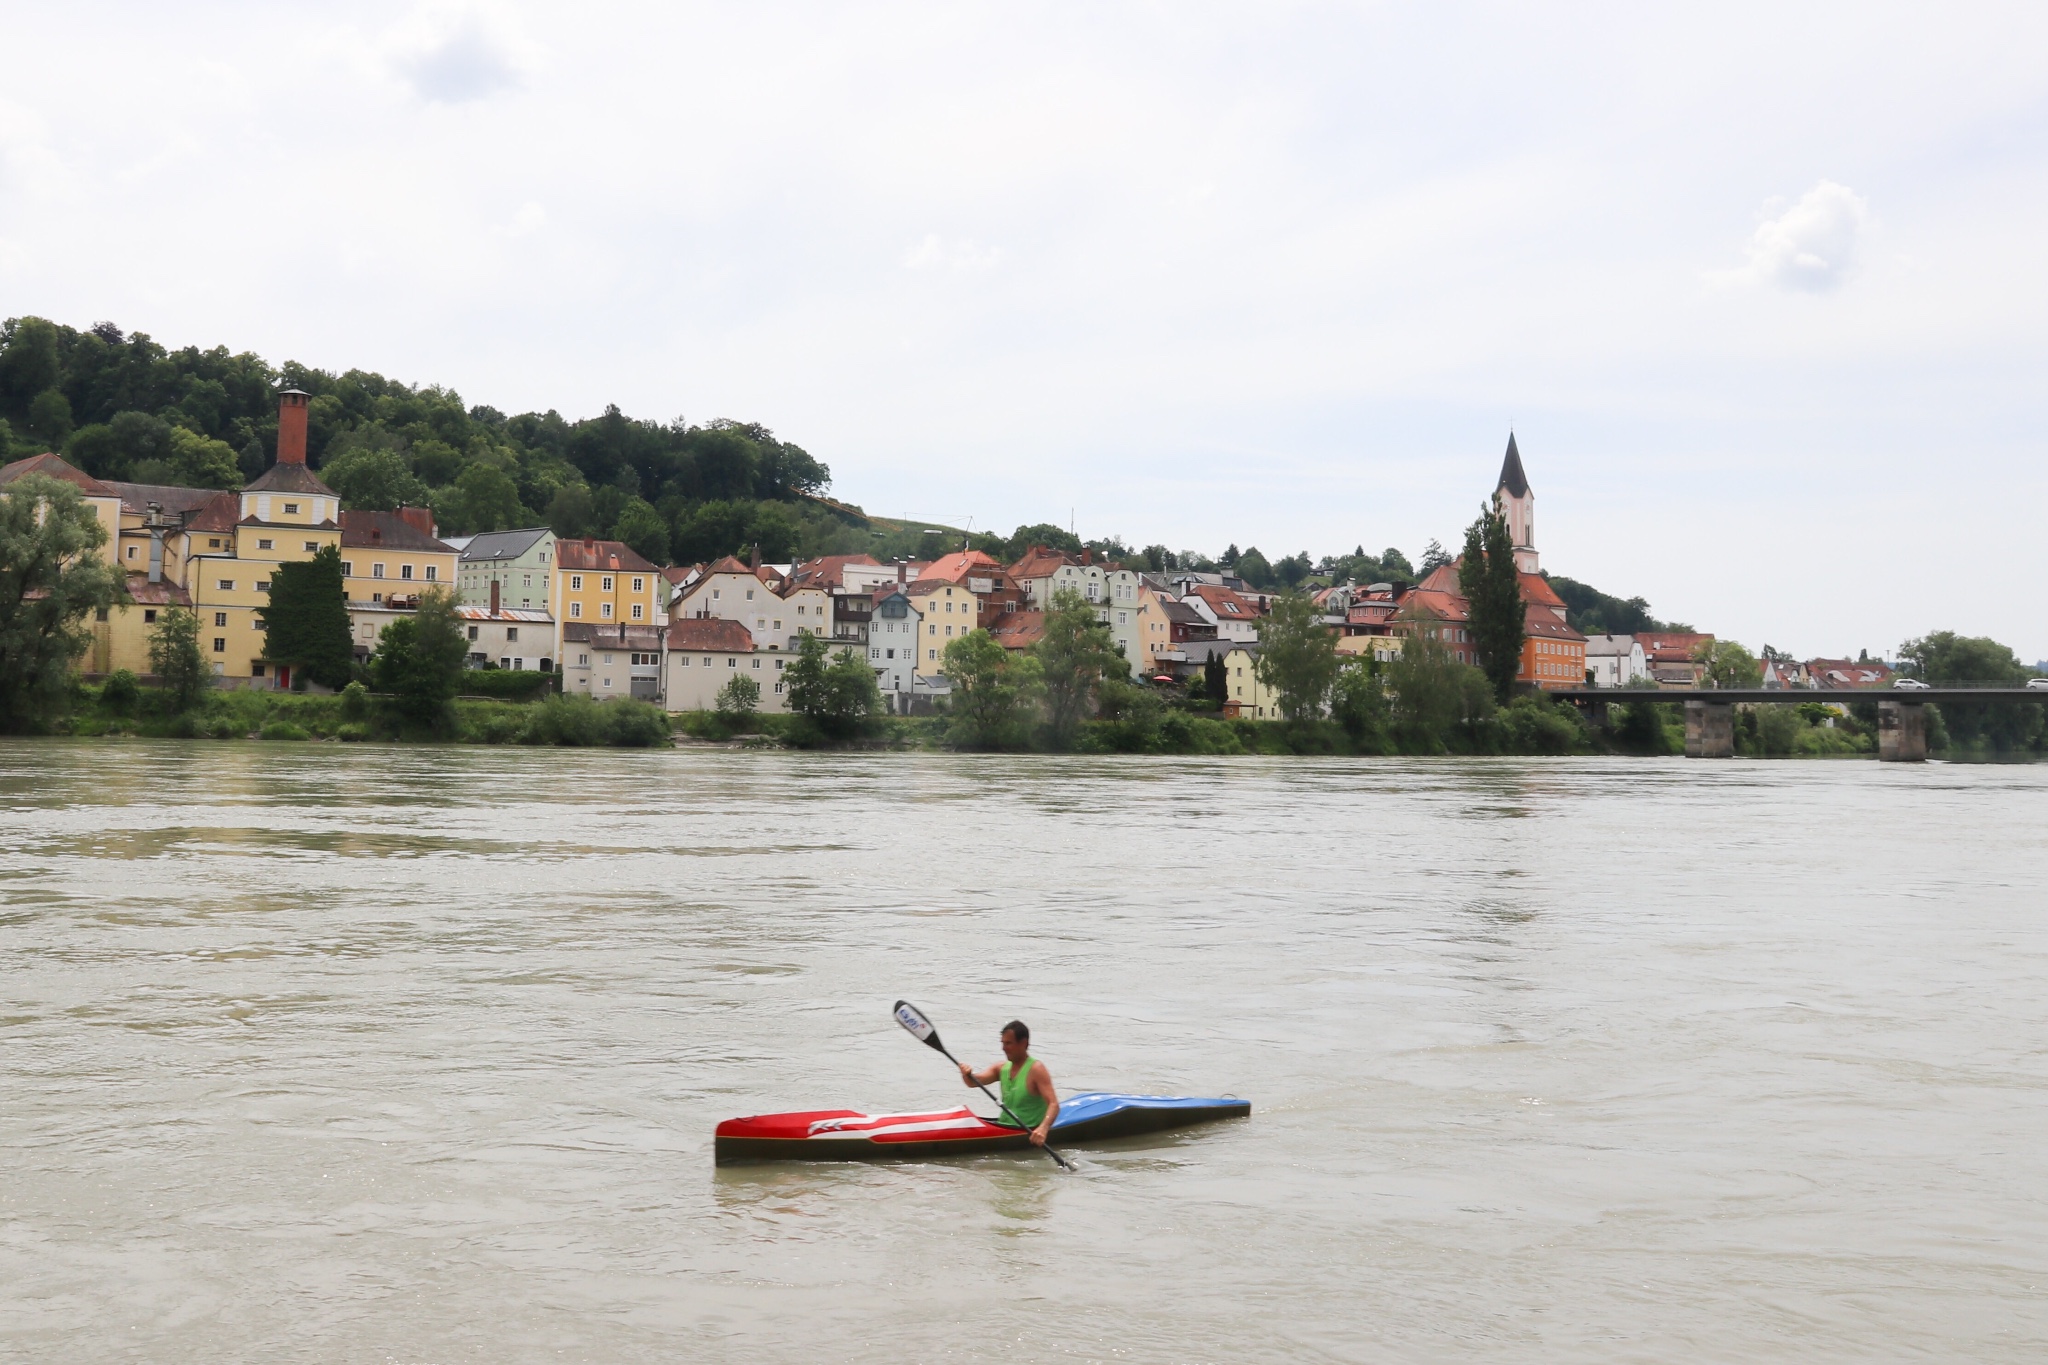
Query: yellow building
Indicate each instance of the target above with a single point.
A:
(1246, 695)
(394, 554)
(948, 611)
(605, 583)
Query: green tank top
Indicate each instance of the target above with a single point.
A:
(1017, 1094)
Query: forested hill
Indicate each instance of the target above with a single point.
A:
(121, 406)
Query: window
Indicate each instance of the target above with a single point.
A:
(526, 580)
(732, 663)
(575, 582)
(638, 609)
(606, 586)
(714, 594)
(131, 555)
(949, 632)
(220, 646)
(433, 573)
(376, 571)
(607, 682)
(213, 544)
(472, 632)
(511, 633)
(606, 611)
(682, 661)
(934, 630)
(291, 509)
(639, 585)
(778, 665)
(405, 571)
(505, 661)
(148, 615)
(799, 606)
(220, 619)
(348, 569)
(874, 651)
(312, 547)
(263, 585)
(255, 669)
(750, 594)
(575, 610)
(756, 663)
(227, 585)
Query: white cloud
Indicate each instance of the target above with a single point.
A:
(1810, 247)
(454, 55)
(961, 257)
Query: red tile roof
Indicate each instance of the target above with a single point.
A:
(1040, 562)
(727, 564)
(1672, 647)
(386, 531)
(285, 477)
(954, 568)
(1227, 605)
(829, 571)
(712, 633)
(162, 593)
(602, 555)
(1019, 629)
(57, 467)
(1837, 673)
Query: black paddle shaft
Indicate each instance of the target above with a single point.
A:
(921, 1028)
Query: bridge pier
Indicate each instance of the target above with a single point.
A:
(1901, 732)
(1709, 729)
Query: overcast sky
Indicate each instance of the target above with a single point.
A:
(1762, 289)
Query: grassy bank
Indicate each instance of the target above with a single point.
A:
(114, 709)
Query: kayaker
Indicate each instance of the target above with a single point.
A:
(1026, 1084)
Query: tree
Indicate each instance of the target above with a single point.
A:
(641, 527)
(1434, 557)
(305, 623)
(419, 661)
(1297, 656)
(52, 578)
(486, 499)
(1216, 678)
(1492, 587)
(1394, 564)
(175, 658)
(49, 418)
(992, 692)
(1728, 664)
(571, 513)
(373, 479)
(199, 462)
(1359, 704)
(1944, 658)
(740, 696)
(1253, 569)
(836, 696)
(1074, 656)
(1433, 695)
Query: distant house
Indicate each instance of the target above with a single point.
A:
(1843, 674)
(521, 563)
(607, 583)
(733, 591)
(604, 661)
(1020, 630)
(1784, 673)
(948, 611)
(1615, 660)
(510, 637)
(1235, 616)
(394, 554)
(703, 654)
(895, 640)
(1673, 656)
(1245, 695)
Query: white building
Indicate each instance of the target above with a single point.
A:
(510, 637)
(1615, 660)
(729, 590)
(893, 642)
(706, 653)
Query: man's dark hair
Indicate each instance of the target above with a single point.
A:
(1020, 1028)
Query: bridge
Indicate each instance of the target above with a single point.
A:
(1901, 713)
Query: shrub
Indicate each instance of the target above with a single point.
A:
(352, 734)
(507, 684)
(579, 722)
(355, 702)
(1537, 725)
(282, 729)
(120, 693)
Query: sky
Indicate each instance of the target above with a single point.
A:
(1761, 289)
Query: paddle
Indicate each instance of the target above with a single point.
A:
(921, 1029)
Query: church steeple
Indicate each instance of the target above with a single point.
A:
(1518, 505)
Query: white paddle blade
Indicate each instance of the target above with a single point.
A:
(916, 1024)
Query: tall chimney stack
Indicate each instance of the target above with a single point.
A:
(291, 426)
(494, 597)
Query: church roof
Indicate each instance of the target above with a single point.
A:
(1511, 476)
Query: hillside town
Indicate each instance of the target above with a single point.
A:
(611, 624)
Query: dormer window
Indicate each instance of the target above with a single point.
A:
(291, 509)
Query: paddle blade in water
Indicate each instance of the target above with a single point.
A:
(918, 1026)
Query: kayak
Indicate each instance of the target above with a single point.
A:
(847, 1135)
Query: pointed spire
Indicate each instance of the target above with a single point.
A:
(1511, 476)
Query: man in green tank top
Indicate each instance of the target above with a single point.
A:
(1026, 1084)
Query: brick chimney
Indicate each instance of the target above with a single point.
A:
(291, 426)
(421, 519)
(754, 560)
(899, 573)
(494, 597)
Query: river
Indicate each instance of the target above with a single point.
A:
(340, 1053)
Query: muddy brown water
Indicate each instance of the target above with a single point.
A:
(327, 1053)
